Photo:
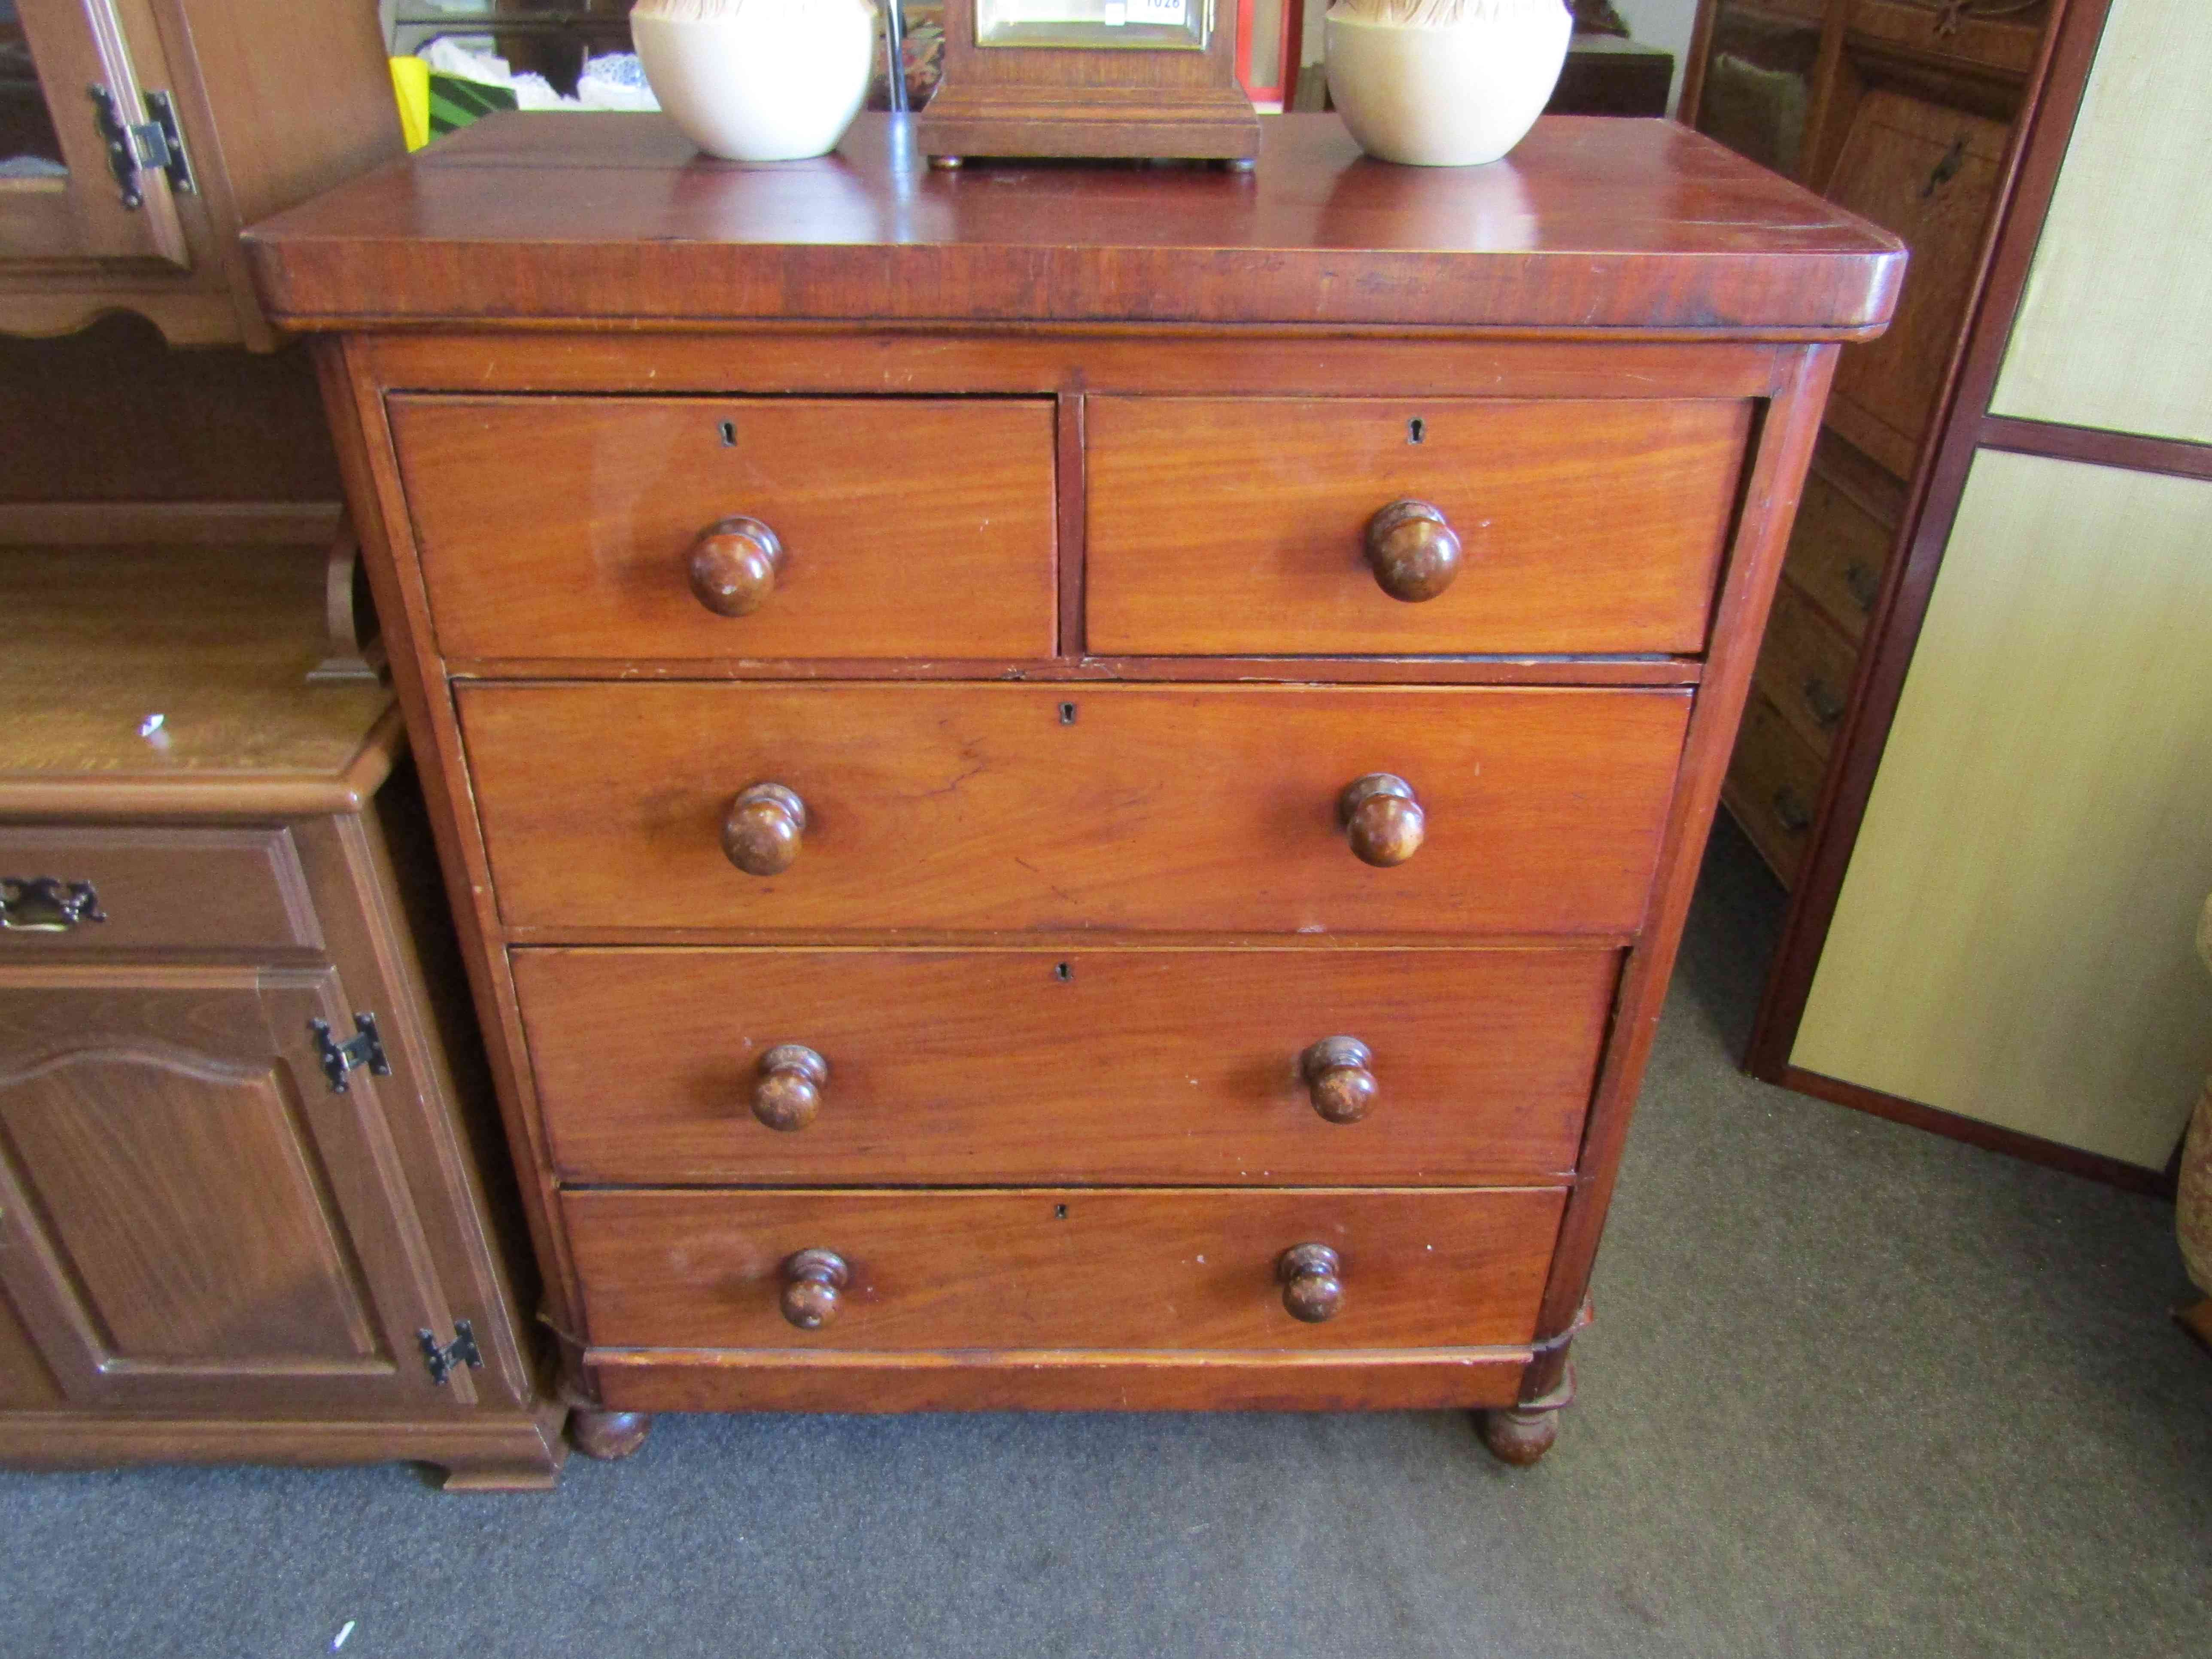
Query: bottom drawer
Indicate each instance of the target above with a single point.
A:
(1067, 1267)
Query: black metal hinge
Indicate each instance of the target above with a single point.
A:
(153, 143)
(366, 1049)
(461, 1351)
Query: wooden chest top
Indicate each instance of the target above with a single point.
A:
(1594, 224)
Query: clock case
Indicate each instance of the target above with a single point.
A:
(1101, 101)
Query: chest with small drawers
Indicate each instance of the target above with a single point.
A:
(1065, 787)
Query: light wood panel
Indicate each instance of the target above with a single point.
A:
(217, 640)
(1063, 1267)
(2013, 942)
(1157, 1066)
(2115, 330)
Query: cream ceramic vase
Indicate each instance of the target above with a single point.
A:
(1446, 94)
(757, 80)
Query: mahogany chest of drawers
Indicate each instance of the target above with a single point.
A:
(1072, 787)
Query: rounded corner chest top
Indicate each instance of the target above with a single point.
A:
(1073, 787)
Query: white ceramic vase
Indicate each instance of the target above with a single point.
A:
(758, 79)
(1447, 96)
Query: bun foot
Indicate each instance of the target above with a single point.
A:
(608, 1434)
(1519, 1438)
(1521, 1434)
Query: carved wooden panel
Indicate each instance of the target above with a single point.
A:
(189, 1209)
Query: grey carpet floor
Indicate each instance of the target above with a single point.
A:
(1853, 1391)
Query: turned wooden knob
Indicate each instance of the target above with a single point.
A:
(813, 1281)
(1312, 1291)
(1338, 1077)
(761, 830)
(1383, 818)
(788, 1087)
(1412, 551)
(732, 565)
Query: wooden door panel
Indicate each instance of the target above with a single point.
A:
(192, 1215)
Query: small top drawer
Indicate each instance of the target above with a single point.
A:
(1224, 527)
(570, 527)
(204, 889)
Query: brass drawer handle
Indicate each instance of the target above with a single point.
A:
(47, 904)
(813, 1286)
(761, 831)
(788, 1087)
(1339, 1077)
(1827, 708)
(1312, 1287)
(1383, 818)
(1412, 549)
(732, 565)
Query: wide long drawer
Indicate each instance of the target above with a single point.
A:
(1146, 1067)
(1236, 524)
(1124, 808)
(563, 527)
(1065, 1268)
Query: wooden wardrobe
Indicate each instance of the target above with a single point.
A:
(1978, 750)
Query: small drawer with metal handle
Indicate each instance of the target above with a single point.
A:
(1069, 1267)
(117, 888)
(1805, 666)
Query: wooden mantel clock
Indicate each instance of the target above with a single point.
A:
(1128, 79)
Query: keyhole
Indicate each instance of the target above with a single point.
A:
(1067, 713)
(729, 435)
(1060, 1212)
(1416, 430)
(1064, 971)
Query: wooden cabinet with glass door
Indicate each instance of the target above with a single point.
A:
(137, 136)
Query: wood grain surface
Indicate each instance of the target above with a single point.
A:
(1235, 525)
(1063, 1267)
(1043, 1379)
(559, 528)
(1624, 227)
(165, 887)
(1805, 666)
(1158, 1067)
(1114, 809)
(1838, 548)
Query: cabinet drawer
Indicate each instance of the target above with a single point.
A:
(1167, 1067)
(1773, 785)
(1235, 526)
(1805, 668)
(1838, 550)
(1068, 1267)
(1129, 808)
(205, 889)
(562, 528)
